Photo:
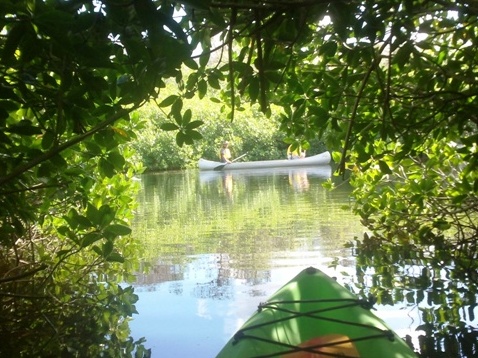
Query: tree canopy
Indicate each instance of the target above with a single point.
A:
(395, 81)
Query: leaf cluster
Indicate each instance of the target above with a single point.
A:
(72, 72)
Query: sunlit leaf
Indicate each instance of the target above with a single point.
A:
(120, 131)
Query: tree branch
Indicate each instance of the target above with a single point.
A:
(23, 275)
(54, 151)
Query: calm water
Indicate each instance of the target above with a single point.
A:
(218, 244)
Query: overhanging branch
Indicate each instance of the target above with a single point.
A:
(54, 151)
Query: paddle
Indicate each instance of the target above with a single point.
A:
(220, 167)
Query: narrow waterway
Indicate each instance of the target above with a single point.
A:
(217, 244)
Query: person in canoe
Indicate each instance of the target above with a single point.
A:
(296, 153)
(225, 153)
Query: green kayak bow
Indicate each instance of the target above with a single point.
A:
(314, 316)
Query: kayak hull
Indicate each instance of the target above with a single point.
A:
(319, 159)
(313, 316)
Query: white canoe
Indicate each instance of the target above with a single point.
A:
(317, 171)
(319, 159)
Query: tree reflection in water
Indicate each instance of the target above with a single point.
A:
(213, 259)
(431, 281)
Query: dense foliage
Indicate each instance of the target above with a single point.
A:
(395, 81)
(66, 90)
(250, 133)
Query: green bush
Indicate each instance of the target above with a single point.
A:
(250, 132)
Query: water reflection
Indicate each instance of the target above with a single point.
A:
(298, 177)
(322, 172)
(228, 184)
(218, 243)
(299, 180)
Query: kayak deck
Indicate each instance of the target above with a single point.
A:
(313, 316)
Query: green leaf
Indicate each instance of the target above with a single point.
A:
(204, 59)
(441, 224)
(12, 42)
(176, 111)
(202, 88)
(97, 250)
(403, 54)
(25, 127)
(82, 221)
(180, 139)
(53, 21)
(64, 230)
(169, 127)
(107, 248)
(384, 167)
(47, 140)
(191, 64)
(192, 80)
(168, 101)
(116, 159)
(254, 89)
(105, 215)
(90, 238)
(187, 117)
(194, 135)
(106, 168)
(213, 81)
(115, 257)
(328, 49)
(298, 114)
(194, 124)
(93, 149)
(58, 161)
(62, 253)
(93, 214)
(118, 230)
(273, 76)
